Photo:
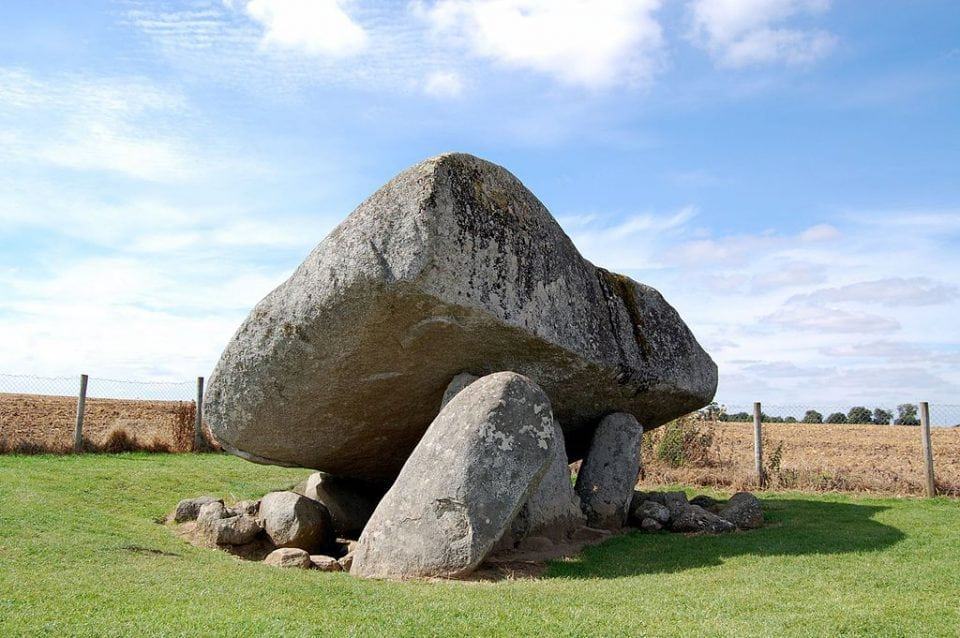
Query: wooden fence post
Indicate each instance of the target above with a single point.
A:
(198, 423)
(81, 406)
(927, 448)
(758, 445)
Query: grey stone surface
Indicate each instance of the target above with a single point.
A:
(325, 563)
(289, 557)
(553, 509)
(676, 502)
(743, 510)
(221, 526)
(705, 502)
(452, 266)
(248, 508)
(350, 502)
(694, 518)
(214, 510)
(477, 464)
(459, 382)
(292, 520)
(651, 525)
(189, 508)
(609, 471)
(346, 561)
(651, 510)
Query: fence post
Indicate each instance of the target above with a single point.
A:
(81, 406)
(758, 445)
(927, 448)
(198, 423)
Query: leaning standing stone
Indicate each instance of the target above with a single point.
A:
(463, 484)
(609, 472)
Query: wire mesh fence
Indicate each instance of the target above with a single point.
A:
(41, 414)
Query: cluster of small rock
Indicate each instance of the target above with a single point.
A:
(656, 511)
(286, 529)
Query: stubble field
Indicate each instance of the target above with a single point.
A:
(816, 457)
(49, 421)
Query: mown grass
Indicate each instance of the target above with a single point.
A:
(80, 554)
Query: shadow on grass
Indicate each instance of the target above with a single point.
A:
(793, 528)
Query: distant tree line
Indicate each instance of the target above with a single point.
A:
(906, 415)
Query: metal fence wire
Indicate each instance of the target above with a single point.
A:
(42, 412)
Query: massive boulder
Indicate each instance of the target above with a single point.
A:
(453, 266)
(477, 464)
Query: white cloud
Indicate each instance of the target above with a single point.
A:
(790, 275)
(631, 242)
(820, 232)
(318, 27)
(831, 320)
(740, 33)
(892, 291)
(579, 42)
(116, 125)
(443, 84)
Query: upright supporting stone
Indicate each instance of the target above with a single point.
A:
(609, 471)
(927, 445)
(81, 407)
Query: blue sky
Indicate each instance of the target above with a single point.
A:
(786, 172)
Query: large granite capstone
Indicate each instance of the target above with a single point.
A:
(453, 266)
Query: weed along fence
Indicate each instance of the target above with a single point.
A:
(83, 413)
(911, 448)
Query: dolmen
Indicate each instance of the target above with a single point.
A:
(439, 359)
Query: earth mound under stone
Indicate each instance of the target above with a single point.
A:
(453, 266)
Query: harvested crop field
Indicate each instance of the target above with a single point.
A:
(820, 457)
(49, 420)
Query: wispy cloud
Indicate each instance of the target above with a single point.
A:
(741, 33)
(119, 125)
(892, 291)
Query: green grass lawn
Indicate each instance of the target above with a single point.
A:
(80, 554)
